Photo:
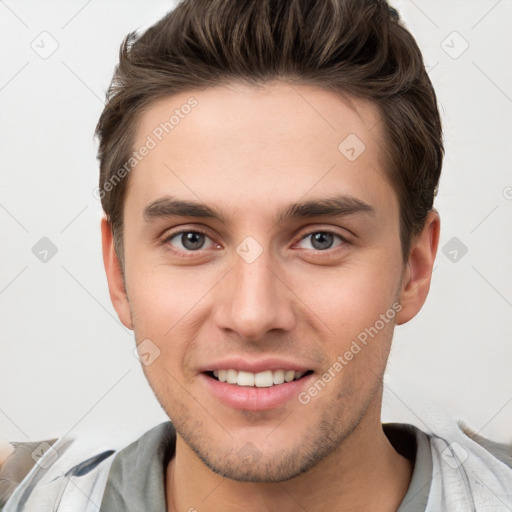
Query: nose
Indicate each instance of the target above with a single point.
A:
(254, 299)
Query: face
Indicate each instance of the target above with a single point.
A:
(263, 273)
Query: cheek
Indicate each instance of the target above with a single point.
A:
(350, 298)
(359, 310)
(170, 306)
(356, 309)
(162, 297)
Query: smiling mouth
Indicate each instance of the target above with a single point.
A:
(266, 379)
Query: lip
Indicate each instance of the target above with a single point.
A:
(254, 366)
(250, 398)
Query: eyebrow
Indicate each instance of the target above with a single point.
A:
(336, 206)
(170, 207)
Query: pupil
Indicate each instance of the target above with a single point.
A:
(322, 240)
(192, 240)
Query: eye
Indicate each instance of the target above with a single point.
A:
(190, 241)
(321, 240)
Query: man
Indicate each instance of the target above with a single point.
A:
(267, 171)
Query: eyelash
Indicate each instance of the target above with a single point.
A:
(189, 253)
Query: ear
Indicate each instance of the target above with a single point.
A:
(418, 271)
(115, 280)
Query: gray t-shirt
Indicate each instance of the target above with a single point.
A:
(137, 476)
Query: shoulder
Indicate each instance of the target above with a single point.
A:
(464, 470)
(53, 470)
(469, 470)
(16, 461)
(500, 451)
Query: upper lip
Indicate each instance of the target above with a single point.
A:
(254, 366)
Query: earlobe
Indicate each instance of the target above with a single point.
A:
(116, 285)
(418, 271)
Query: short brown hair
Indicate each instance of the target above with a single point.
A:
(354, 47)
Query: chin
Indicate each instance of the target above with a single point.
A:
(267, 469)
(266, 462)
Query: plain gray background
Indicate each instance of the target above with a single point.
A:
(67, 364)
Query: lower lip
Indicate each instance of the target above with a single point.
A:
(252, 398)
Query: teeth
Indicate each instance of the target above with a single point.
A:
(245, 379)
(264, 379)
(231, 377)
(278, 377)
(289, 375)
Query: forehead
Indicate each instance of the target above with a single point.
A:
(265, 145)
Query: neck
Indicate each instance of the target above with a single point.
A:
(363, 473)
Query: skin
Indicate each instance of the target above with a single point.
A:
(250, 152)
(6, 449)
